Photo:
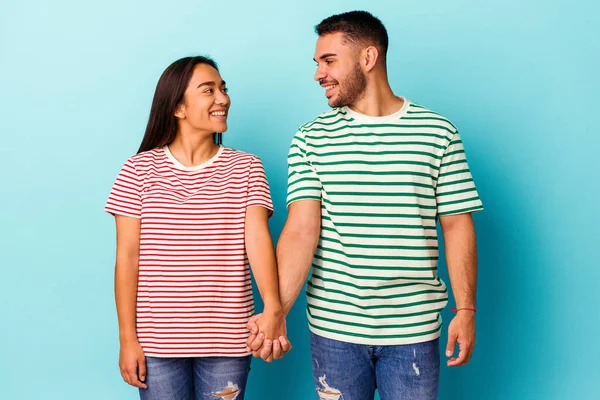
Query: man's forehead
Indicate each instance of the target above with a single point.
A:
(330, 43)
(336, 38)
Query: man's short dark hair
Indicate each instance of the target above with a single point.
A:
(358, 27)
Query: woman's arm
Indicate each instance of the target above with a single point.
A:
(131, 359)
(261, 255)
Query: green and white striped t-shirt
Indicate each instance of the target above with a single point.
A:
(382, 183)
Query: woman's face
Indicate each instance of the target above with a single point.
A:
(205, 103)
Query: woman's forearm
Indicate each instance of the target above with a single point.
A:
(261, 254)
(126, 275)
(126, 281)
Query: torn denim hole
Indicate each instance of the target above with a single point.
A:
(230, 392)
(328, 393)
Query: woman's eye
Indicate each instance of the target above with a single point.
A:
(225, 90)
(208, 91)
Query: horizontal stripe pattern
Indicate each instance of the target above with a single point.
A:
(382, 184)
(194, 289)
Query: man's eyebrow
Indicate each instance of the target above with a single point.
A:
(325, 56)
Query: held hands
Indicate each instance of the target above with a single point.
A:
(462, 331)
(268, 336)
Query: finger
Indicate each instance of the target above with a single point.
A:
(142, 371)
(133, 380)
(251, 325)
(251, 339)
(123, 375)
(460, 360)
(285, 344)
(450, 346)
(470, 350)
(126, 377)
(270, 358)
(131, 374)
(256, 353)
(277, 350)
(258, 342)
(266, 350)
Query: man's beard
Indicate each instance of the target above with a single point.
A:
(354, 88)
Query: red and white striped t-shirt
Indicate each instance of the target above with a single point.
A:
(194, 291)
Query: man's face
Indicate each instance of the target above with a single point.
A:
(338, 70)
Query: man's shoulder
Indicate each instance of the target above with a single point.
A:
(324, 119)
(423, 114)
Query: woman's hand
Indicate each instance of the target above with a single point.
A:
(132, 363)
(268, 337)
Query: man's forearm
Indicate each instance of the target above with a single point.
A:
(295, 253)
(461, 258)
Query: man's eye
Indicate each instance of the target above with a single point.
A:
(328, 62)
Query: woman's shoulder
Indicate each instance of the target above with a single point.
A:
(239, 156)
(148, 157)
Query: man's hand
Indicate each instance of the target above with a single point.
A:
(462, 331)
(267, 348)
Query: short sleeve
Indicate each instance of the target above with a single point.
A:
(125, 196)
(455, 190)
(303, 182)
(259, 194)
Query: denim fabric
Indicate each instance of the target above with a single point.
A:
(201, 378)
(347, 371)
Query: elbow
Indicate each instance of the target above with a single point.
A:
(307, 241)
(309, 234)
(312, 239)
(127, 262)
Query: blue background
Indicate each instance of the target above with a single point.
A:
(519, 79)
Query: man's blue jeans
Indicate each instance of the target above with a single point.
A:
(346, 371)
(199, 378)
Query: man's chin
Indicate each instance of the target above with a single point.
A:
(334, 102)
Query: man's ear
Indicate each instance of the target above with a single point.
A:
(370, 58)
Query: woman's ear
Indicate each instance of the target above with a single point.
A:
(180, 111)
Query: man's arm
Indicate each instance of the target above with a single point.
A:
(296, 248)
(461, 258)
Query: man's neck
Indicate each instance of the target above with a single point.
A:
(378, 100)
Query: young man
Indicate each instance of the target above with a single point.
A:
(368, 181)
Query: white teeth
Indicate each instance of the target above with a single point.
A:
(218, 113)
(330, 87)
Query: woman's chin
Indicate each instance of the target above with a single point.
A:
(220, 128)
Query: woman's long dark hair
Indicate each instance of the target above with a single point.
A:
(162, 123)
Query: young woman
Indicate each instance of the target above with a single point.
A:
(190, 215)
